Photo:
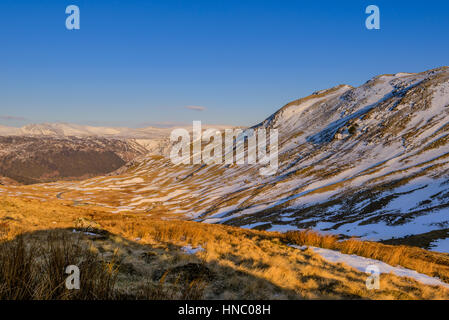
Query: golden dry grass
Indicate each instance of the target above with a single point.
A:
(235, 264)
(31, 269)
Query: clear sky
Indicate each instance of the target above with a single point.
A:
(137, 63)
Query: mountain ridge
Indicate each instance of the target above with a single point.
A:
(63, 129)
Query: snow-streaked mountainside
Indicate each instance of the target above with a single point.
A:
(370, 161)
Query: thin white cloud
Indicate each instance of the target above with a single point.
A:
(196, 108)
(12, 118)
(163, 124)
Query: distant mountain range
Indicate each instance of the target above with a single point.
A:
(76, 130)
(52, 151)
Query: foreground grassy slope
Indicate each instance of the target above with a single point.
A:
(136, 256)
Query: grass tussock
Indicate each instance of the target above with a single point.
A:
(37, 270)
(33, 268)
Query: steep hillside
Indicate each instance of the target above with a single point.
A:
(32, 160)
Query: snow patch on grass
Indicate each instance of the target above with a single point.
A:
(190, 250)
(361, 264)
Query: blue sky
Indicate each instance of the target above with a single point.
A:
(137, 63)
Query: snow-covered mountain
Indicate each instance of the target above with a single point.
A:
(76, 130)
(370, 161)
